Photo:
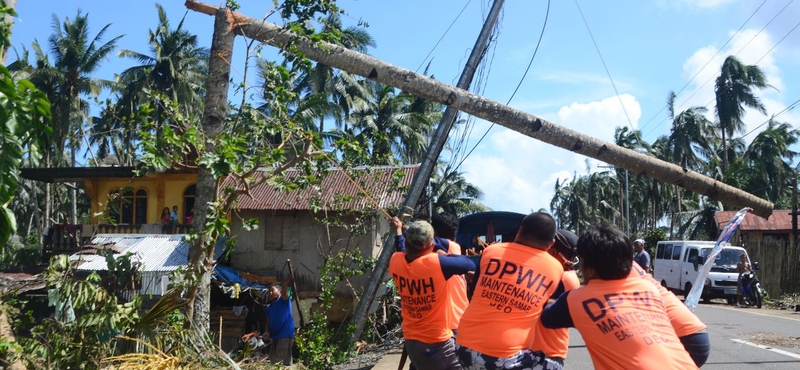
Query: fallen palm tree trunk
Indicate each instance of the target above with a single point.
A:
(524, 123)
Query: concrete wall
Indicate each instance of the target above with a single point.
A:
(283, 235)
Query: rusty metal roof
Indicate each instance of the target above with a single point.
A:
(780, 220)
(20, 282)
(336, 189)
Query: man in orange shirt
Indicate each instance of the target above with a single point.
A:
(444, 234)
(420, 276)
(622, 318)
(690, 330)
(555, 342)
(513, 283)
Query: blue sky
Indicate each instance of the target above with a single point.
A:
(650, 48)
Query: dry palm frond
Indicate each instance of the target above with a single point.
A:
(143, 361)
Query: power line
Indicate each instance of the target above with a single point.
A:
(790, 107)
(535, 51)
(604, 65)
(443, 35)
(774, 116)
(709, 61)
(778, 43)
(482, 76)
(737, 53)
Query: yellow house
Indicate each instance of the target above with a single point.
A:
(121, 202)
(139, 200)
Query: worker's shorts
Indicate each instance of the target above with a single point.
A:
(281, 351)
(433, 356)
(523, 360)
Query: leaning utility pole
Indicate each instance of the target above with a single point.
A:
(424, 172)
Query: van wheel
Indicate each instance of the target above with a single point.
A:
(686, 289)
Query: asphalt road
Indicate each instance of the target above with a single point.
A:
(741, 338)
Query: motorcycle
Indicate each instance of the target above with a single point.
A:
(752, 292)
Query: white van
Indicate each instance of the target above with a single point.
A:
(677, 263)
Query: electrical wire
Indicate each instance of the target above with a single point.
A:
(630, 124)
(737, 54)
(709, 60)
(535, 51)
(443, 35)
(790, 107)
(709, 80)
(484, 71)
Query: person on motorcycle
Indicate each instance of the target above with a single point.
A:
(742, 267)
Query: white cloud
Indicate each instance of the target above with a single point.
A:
(518, 173)
(694, 4)
(750, 47)
(707, 4)
(756, 122)
(600, 118)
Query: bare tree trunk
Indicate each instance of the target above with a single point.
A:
(48, 206)
(725, 152)
(525, 123)
(73, 192)
(216, 108)
(10, 21)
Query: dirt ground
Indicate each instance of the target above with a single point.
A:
(774, 340)
(370, 355)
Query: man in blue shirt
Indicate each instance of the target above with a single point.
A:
(281, 323)
(641, 257)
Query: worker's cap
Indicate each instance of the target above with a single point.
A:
(639, 241)
(566, 244)
(419, 234)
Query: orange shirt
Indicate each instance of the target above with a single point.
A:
(625, 326)
(684, 321)
(457, 291)
(423, 297)
(555, 342)
(514, 283)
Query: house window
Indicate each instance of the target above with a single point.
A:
(127, 206)
(188, 200)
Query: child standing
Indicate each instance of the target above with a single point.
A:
(173, 219)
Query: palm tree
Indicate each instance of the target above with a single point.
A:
(630, 139)
(176, 67)
(768, 160)
(733, 94)
(701, 225)
(569, 204)
(689, 137)
(114, 135)
(75, 57)
(452, 194)
(340, 87)
(393, 126)
(304, 110)
(687, 143)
